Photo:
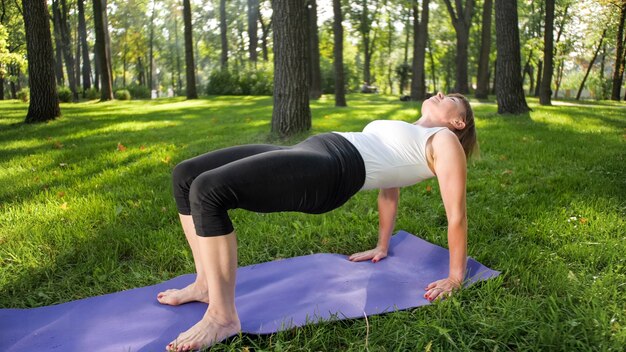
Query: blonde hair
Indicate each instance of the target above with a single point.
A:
(467, 136)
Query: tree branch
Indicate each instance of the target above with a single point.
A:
(19, 9)
(450, 10)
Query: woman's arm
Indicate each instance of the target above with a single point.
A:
(451, 170)
(387, 209)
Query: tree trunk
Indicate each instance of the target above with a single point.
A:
(340, 85)
(66, 40)
(462, 21)
(291, 113)
(509, 91)
(96, 73)
(618, 72)
(104, 55)
(265, 30)
(223, 29)
(315, 76)
(44, 101)
(1, 88)
(82, 33)
(420, 30)
(559, 77)
(593, 60)
(545, 89)
(58, 45)
(178, 78)
(189, 61)
(253, 20)
(539, 75)
(482, 85)
(151, 51)
(433, 69)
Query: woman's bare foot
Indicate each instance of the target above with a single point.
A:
(192, 293)
(206, 333)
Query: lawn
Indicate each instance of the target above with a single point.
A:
(86, 208)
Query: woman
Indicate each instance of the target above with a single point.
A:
(316, 176)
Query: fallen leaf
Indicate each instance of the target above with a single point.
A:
(503, 157)
(167, 159)
(61, 194)
(64, 206)
(164, 209)
(120, 147)
(507, 172)
(583, 220)
(142, 147)
(57, 145)
(429, 188)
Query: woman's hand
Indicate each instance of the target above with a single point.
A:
(441, 288)
(376, 255)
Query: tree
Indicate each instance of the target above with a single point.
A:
(315, 76)
(44, 101)
(340, 89)
(253, 19)
(189, 61)
(223, 29)
(291, 113)
(420, 30)
(618, 72)
(509, 92)
(593, 60)
(363, 18)
(103, 51)
(61, 14)
(545, 90)
(58, 45)
(482, 85)
(82, 34)
(461, 20)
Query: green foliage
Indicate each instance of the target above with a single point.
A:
(244, 82)
(138, 92)
(65, 94)
(24, 95)
(122, 94)
(91, 93)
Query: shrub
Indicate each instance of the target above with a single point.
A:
(91, 94)
(245, 82)
(24, 95)
(122, 94)
(65, 94)
(223, 82)
(138, 92)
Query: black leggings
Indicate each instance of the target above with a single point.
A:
(314, 176)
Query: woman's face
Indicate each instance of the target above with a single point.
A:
(449, 111)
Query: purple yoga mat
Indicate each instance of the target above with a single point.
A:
(270, 297)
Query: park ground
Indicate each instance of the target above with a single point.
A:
(86, 208)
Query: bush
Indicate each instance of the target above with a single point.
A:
(91, 94)
(138, 92)
(24, 95)
(65, 94)
(245, 82)
(122, 94)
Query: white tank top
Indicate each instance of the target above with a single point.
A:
(394, 152)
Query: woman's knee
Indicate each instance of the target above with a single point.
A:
(183, 174)
(210, 190)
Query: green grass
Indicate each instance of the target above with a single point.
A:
(86, 208)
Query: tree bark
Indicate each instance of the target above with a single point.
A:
(340, 88)
(420, 30)
(545, 89)
(593, 60)
(178, 70)
(539, 75)
(462, 21)
(509, 91)
(66, 41)
(224, 38)
(253, 20)
(189, 60)
(102, 50)
(82, 33)
(315, 76)
(618, 72)
(291, 113)
(482, 85)
(151, 51)
(265, 30)
(44, 101)
(58, 45)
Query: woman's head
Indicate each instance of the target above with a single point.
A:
(454, 111)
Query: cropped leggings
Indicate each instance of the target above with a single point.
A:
(314, 176)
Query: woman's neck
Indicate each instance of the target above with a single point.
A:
(427, 122)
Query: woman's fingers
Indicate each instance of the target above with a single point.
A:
(357, 257)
